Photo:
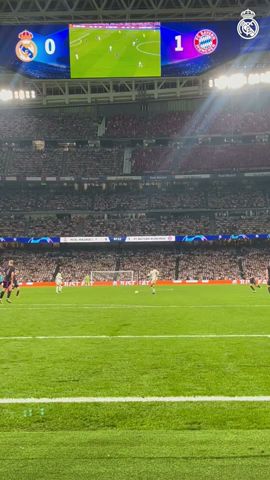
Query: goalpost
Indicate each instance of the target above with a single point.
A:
(116, 277)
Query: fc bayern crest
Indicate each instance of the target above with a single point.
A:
(26, 49)
(248, 28)
(205, 41)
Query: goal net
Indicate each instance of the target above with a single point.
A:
(114, 277)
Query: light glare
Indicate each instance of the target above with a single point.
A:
(222, 82)
(6, 95)
(239, 80)
(254, 79)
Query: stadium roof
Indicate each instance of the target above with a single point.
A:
(39, 11)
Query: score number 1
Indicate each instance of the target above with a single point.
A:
(178, 40)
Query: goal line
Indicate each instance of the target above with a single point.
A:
(194, 399)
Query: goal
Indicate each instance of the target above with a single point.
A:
(114, 277)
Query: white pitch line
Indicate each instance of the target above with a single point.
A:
(41, 306)
(193, 399)
(79, 40)
(131, 337)
(145, 52)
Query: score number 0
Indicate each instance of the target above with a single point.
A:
(50, 46)
(178, 40)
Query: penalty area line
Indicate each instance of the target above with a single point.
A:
(182, 399)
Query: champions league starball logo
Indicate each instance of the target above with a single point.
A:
(248, 28)
(26, 49)
(205, 41)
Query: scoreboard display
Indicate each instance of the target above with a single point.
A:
(142, 49)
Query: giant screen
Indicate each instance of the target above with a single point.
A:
(125, 50)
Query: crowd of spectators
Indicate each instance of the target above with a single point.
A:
(203, 263)
(42, 200)
(242, 224)
(15, 125)
(153, 200)
(179, 124)
(40, 226)
(75, 266)
(74, 225)
(218, 208)
(96, 162)
(211, 197)
(142, 261)
(93, 162)
(215, 265)
(242, 198)
(69, 125)
(152, 160)
(255, 262)
(30, 266)
(228, 158)
(24, 161)
(144, 225)
(200, 159)
(118, 225)
(57, 162)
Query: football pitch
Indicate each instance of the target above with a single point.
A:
(110, 384)
(107, 53)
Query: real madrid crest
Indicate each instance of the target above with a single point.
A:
(248, 28)
(26, 50)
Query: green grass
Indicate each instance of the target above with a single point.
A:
(153, 441)
(120, 455)
(107, 53)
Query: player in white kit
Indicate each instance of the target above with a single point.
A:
(59, 282)
(153, 276)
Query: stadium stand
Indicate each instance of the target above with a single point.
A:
(66, 125)
(66, 151)
(85, 161)
(214, 195)
(46, 125)
(160, 208)
(103, 161)
(177, 124)
(200, 159)
(116, 225)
